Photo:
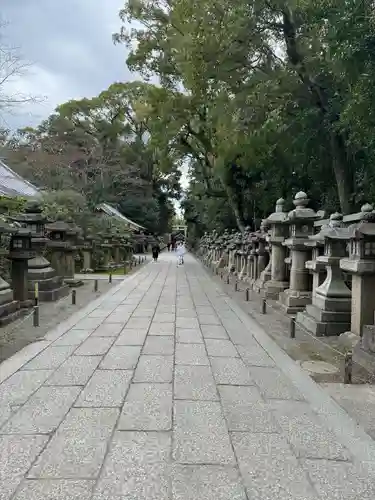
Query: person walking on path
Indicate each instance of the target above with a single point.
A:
(155, 251)
(181, 252)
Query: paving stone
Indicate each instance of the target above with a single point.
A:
(205, 310)
(231, 371)
(164, 318)
(78, 447)
(340, 480)
(194, 383)
(159, 345)
(131, 337)
(143, 313)
(60, 489)
(273, 384)
(254, 355)
(200, 434)
(214, 332)
(121, 358)
(6, 411)
(221, 348)
(117, 319)
(108, 330)
(43, 412)
(241, 337)
(187, 323)
(106, 388)
(186, 313)
(148, 407)
(306, 432)
(161, 329)
(75, 371)
(88, 323)
(73, 337)
(17, 453)
(156, 369)
(209, 319)
(94, 346)
(49, 359)
(269, 469)
(191, 354)
(208, 482)
(136, 467)
(137, 323)
(245, 410)
(18, 388)
(189, 336)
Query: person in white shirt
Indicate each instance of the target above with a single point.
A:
(181, 252)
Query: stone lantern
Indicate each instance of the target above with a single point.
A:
(106, 246)
(264, 261)
(51, 286)
(361, 265)
(9, 308)
(279, 228)
(20, 253)
(87, 250)
(301, 226)
(62, 251)
(329, 313)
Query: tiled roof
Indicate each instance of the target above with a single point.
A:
(12, 184)
(109, 210)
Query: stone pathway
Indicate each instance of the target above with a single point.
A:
(164, 389)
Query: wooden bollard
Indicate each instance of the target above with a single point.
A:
(247, 295)
(96, 285)
(74, 297)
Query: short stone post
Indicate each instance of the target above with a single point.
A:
(279, 228)
(301, 219)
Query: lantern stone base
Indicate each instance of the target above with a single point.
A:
(274, 288)
(323, 323)
(363, 357)
(73, 282)
(9, 310)
(51, 287)
(293, 302)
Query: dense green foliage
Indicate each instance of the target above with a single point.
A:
(100, 149)
(259, 99)
(278, 96)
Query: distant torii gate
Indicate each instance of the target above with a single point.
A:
(180, 229)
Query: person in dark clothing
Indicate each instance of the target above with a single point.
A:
(155, 251)
(169, 246)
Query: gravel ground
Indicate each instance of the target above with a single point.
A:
(20, 333)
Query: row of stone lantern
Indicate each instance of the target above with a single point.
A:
(29, 247)
(305, 272)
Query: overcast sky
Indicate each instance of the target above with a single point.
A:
(69, 44)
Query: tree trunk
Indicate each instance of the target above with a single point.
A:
(320, 97)
(342, 173)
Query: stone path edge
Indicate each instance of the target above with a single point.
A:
(347, 430)
(19, 359)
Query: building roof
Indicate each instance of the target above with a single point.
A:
(113, 212)
(12, 184)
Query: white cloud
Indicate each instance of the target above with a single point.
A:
(69, 45)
